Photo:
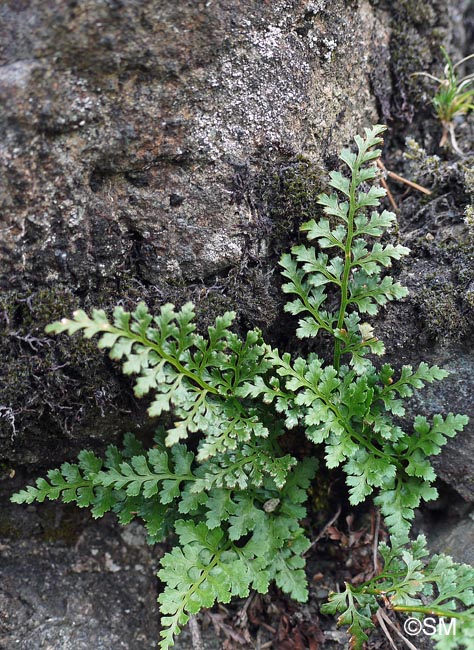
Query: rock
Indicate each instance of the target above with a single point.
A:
(68, 582)
(453, 395)
(455, 541)
(433, 324)
(125, 126)
(135, 141)
(167, 153)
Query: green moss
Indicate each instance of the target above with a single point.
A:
(53, 388)
(418, 12)
(288, 195)
(418, 30)
(62, 394)
(442, 312)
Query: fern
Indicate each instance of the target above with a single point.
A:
(218, 482)
(411, 582)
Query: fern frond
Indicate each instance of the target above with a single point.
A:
(218, 480)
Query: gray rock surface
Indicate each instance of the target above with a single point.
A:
(455, 541)
(434, 323)
(69, 583)
(125, 123)
(137, 141)
(454, 465)
(139, 146)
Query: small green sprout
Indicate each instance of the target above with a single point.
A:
(455, 97)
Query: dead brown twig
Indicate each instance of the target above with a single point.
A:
(323, 531)
(381, 621)
(375, 544)
(382, 618)
(396, 177)
(195, 633)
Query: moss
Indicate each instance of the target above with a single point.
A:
(418, 28)
(288, 194)
(60, 395)
(418, 12)
(54, 388)
(442, 313)
(442, 177)
(445, 272)
(442, 246)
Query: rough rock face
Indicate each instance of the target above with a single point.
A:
(131, 134)
(434, 324)
(125, 124)
(166, 151)
(68, 583)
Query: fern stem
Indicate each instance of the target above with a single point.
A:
(314, 313)
(347, 263)
(434, 611)
(195, 586)
(354, 434)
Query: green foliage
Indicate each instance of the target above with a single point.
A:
(218, 483)
(411, 582)
(248, 532)
(454, 97)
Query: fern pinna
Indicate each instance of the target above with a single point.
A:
(233, 501)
